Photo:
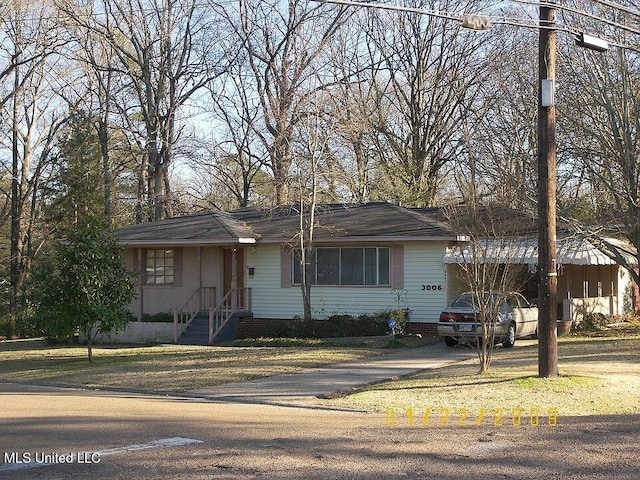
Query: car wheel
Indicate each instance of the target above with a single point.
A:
(511, 336)
(450, 341)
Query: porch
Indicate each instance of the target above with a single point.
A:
(201, 287)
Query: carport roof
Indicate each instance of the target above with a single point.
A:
(569, 251)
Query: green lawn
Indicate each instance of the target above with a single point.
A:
(597, 376)
(170, 368)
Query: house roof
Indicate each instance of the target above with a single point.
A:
(340, 222)
(208, 228)
(508, 234)
(485, 221)
(333, 223)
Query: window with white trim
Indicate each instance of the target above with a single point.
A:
(159, 267)
(349, 266)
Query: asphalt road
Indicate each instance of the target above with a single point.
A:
(131, 436)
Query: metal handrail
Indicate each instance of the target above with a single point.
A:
(184, 315)
(237, 299)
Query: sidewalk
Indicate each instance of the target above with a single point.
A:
(301, 388)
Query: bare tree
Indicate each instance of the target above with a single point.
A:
(281, 40)
(427, 76)
(94, 85)
(488, 266)
(30, 33)
(348, 106)
(168, 53)
(603, 101)
(308, 158)
(236, 158)
(501, 132)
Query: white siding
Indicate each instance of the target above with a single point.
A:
(422, 266)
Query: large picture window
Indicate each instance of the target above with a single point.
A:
(159, 267)
(363, 266)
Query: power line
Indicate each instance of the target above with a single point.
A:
(497, 20)
(516, 22)
(579, 12)
(619, 7)
(397, 8)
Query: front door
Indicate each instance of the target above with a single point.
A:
(228, 272)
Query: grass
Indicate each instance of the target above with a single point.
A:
(163, 369)
(597, 376)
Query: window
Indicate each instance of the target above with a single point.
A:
(159, 267)
(368, 266)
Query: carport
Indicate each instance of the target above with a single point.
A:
(589, 281)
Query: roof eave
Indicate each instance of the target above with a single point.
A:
(187, 242)
(370, 239)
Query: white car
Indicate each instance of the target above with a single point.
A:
(516, 318)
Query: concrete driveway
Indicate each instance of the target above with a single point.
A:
(301, 388)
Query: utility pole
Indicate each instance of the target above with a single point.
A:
(548, 288)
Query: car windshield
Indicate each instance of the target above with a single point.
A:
(470, 300)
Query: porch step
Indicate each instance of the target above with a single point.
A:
(197, 333)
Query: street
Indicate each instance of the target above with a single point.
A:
(120, 435)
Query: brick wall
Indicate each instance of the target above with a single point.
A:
(424, 329)
(250, 327)
(260, 327)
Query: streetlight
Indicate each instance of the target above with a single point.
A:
(546, 146)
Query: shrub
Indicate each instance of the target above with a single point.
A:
(592, 322)
(342, 325)
(166, 317)
(337, 325)
(278, 329)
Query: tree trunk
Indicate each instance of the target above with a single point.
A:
(16, 212)
(89, 345)
(306, 300)
(103, 138)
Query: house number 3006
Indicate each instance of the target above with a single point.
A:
(431, 287)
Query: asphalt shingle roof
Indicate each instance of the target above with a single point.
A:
(205, 228)
(279, 224)
(340, 221)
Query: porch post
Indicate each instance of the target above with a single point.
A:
(211, 332)
(200, 267)
(234, 279)
(141, 268)
(201, 298)
(615, 305)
